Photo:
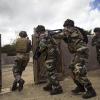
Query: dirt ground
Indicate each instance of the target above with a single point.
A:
(35, 92)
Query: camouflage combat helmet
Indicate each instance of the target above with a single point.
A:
(23, 34)
(40, 28)
(97, 29)
(68, 22)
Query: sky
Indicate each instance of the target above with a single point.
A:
(17, 15)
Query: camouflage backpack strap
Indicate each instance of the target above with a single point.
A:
(84, 34)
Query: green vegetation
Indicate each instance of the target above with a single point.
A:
(9, 49)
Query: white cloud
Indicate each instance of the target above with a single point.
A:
(16, 15)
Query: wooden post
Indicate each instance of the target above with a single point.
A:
(0, 67)
(38, 65)
(35, 71)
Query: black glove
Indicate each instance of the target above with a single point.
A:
(37, 55)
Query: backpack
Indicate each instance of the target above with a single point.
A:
(22, 45)
(84, 33)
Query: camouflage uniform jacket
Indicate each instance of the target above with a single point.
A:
(48, 45)
(74, 39)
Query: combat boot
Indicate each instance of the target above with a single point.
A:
(56, 91)
(48, 87)
(77, 90)
(21, 83)
(14, 86)
(89, 93)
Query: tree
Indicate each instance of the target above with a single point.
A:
(9, 49)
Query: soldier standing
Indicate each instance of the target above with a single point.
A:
(23, 47)
(96, 42)
(77, 47)
(48, 45)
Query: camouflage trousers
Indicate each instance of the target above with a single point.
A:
(79, 71)
(98, 54)
(20, 65)
(50, 64)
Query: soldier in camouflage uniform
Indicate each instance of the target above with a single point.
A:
(78, 48)
(96, 42)
(48, 45)
(23, 47)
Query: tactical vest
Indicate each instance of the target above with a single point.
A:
(22, 45)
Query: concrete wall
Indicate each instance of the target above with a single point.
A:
(7, 59)
(10, 59)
